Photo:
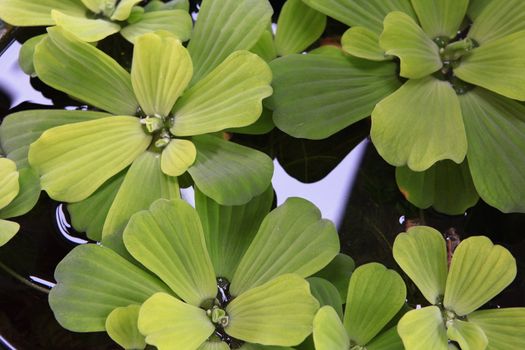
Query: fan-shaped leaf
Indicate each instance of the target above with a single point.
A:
(504, 328)
(423, 329)
(177, 22)
(467, 334)
(28, 194)
(338, 272)
(37, 13)
(329, 332)
(364, 43)
(387, 340)
(8, 230)
(214, 345)
(9, 185)
(177, 157)
(440, 17)
(123, 9)
(26, 53)
(326, 294)
(122, 327)
(85, 29)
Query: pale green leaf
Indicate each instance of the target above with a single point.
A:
(123, 9)
(446, 186)
(9, 185)
(122, 327)
(37, 13)
(364, 13)
(85, 29)
(250, 346)
(168, 240)
(387, 340)
(265, 47)
(278, 312)
(364, 43)
(498, 65)
(177, 22)
(329, 332)
(27, 51)
(326, 294)
(478, 272)
(61, 60)
(440, 17)
(475, 7)
(169, 323)
(338, 272)
(224, 27)
(298, 27)
(20, 129)
(263, 125)
(423, 329)
(160, 72)
(375, 295)
(293, 238)
(497, 20)
(495, 128)
(316, 96)
(467, 334)
(402, 37)
(91, 282)
(229, 96)
(97, 6)
(229, 173)
(76, 159)
(8, 230)
(229, 230)
(504, 328)
(177, 157)
(28, 194)
(419, 125)
(422, 254)
(214, 345)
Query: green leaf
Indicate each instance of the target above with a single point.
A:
(9, 185)
(504, 328)
(326, 294)
(387, 340)
(497, 19)
(224, 27)
(440, 17)
(422, 254)
(177, 157)
(168, 240)
(230, 96)
(250, 346)
(96, 150)
(160, 72)
(263, 125)
(123, 10)
(338, 272)
(278, 312)
(423, 329)
(498, 65)
(293, 238)
(8, 230)
(27, 51)
(122, 327)
(229, 173)
(478, 272)
(315, 96)
(214, 345)
(177, 22)
(169, 323)
(85, 29)
(92, 281)
(419, 125)
(364, 13)
(97, 6)
(375, 295)
(37, 13)
(467, 334)
(475, 8)
(265, 47)
(28, 194)
(61, 60)
(364, 43)
(229, 230)
(298, 27)
(495, 128)
(20, 129)
(446, 186)
(402, 37)
(329, 332)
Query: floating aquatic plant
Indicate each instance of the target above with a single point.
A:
(9, 188)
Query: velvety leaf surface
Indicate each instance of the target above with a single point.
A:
(229, 173)
(224, 27)
(8, 230)
(478, 272)
(96, 150)
(123, 9)
(9, 185)
(230, 96)
(28, 194)
(177, 157)
(315, 96)
(419, 125)
(298, 27)
(37, 13)
(265, 47)
(338, 272)
(169, 323)
(440, 17)
(86, 29)
(326, 294)
(91, 282)
(422, 254)
(501, 18)
(61, 60)
(168, 240)
(403, 37)
(467, 334)
(214, 345)
(475, 8)
(293, 238)
(375, 295)
(229, 230)
(278, 312)
(387, 340)
(329, 332)
(423, 329)
(504, 328)
(495, 128)
(122, 327)
(364, 43)
(160, 72)
(26, 53)
(177, 22)
(498, 65)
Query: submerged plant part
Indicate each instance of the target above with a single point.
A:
(219, 276)
(479, 270)
(442, 80)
